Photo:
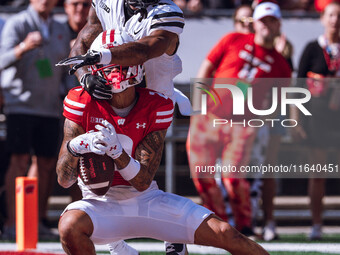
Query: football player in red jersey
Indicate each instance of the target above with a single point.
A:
(130, 128)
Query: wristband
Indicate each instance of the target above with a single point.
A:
(105, 57)
(72, 152)
(22, 45)
(131, 170)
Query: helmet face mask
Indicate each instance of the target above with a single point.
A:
(118, 77)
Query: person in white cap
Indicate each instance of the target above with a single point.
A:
(245, 57)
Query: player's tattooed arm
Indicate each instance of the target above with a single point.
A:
(149, 154)
(67, 164)
(85, 38)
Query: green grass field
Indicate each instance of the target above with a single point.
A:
(285, 246)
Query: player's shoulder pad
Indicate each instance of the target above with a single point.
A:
(155, 100)
(76, 99)
(167, 16)
(160, 107)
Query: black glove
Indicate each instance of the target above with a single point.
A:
(95, 86)
(90, 58)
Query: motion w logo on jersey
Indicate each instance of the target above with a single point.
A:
(121, 121)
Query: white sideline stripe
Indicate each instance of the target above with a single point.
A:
(163, 120)
(73, 111)
(98, 185)
(74, 103)
(163, 113)
(325, 248)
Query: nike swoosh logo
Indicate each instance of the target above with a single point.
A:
(136, 32)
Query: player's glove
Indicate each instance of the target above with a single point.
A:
(85, 143)
(109, 140)
(90, 58)
(95, 86)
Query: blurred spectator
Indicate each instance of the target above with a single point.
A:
(225, 61)
(321, 59)
(32, 42)
(4, 157)
(243, 19)
(283, 46)
(77, 12)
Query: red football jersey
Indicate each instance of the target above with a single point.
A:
(153, 111)
(236, 56)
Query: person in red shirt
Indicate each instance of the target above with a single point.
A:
(241, 57)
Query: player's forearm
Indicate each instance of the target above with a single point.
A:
(130, 54)
(67, 169)
(148, 156)
(142, 180)
(152, 46)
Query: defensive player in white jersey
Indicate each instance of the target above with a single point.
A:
(154, 26)
(133, 136)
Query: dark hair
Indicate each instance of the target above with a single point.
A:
(240, 7)
(332, 2)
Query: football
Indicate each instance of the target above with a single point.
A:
(96, 172)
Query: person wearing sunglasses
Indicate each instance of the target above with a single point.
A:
(243, 20)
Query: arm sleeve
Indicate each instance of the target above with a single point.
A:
(10, 37)
(75, 105)
(169, 18)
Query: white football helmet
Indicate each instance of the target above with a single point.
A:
(118, 77)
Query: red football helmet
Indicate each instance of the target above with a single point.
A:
(119, 77)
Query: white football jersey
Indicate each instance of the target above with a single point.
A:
(160, 71)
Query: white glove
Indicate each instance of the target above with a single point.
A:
(183, 103)
(85, 143)
(109, 140)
